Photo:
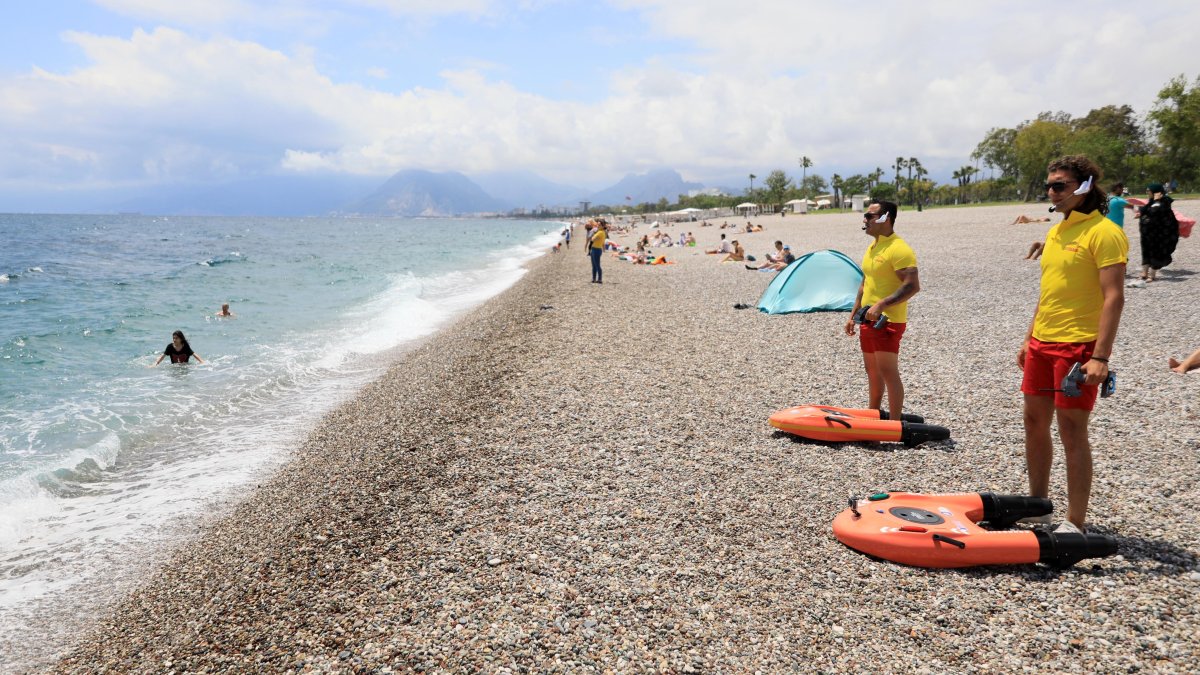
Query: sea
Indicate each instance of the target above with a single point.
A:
(105, 460)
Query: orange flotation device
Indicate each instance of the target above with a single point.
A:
(941, 530)
(830, 423)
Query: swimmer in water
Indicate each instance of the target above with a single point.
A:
(179, 350)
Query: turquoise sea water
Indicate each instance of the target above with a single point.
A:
(103, 458)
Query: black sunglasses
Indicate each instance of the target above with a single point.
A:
(868, 214)
(1057, 186)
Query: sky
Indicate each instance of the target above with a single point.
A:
(113, 94)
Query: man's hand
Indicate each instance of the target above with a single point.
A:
(1021, 355)
(874, 312)
(1095, 372)
(850, 326)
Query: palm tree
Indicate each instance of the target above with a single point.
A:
(873, 178)
(837, 183)
(921, 173)
(751, 193)
(805, 163)
(911, 164)
(898, 166)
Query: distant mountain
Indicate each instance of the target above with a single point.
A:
(529, 190)
(647, 187)
(414, 192)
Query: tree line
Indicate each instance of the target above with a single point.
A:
(1009, 164)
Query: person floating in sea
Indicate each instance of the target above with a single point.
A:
(1187, 365)
(179, 350)
(225, 313)
(890, 279)
(1075, 322)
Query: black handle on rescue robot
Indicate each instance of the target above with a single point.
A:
(860, 317)
(1075, 377)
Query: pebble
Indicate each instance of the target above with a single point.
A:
(619, 446)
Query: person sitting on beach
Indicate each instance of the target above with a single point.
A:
(1187, 365)
(778, 260)
(225, 313)
(1023, 219)
(691, 239)
(722, 247)
(738, 254)
(179, 350)
(643, 247)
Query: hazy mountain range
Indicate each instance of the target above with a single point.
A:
(410, 192)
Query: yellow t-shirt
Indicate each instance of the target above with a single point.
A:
(598, 238)
(879, 265)
(1076, 250)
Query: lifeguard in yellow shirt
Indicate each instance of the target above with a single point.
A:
(889, 280)
(1078, 310)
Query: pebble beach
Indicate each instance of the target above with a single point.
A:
(581, 478)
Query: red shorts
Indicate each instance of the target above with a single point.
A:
(886, 339)
(1047, 363)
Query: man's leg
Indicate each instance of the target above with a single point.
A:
(874, 381)
(1039, 445)
(887, 364)
(1073, 430)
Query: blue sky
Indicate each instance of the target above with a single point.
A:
(112, 94)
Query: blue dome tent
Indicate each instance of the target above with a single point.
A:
(821, 281)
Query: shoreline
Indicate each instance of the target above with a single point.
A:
(594, 486)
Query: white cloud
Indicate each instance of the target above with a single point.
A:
(759, 87)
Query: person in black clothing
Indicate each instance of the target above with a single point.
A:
(179, 350)
(1159, 230)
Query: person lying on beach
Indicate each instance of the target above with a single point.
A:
(723, 247)
(1022, 219)
(738, 255)
(1187, 365)
(225, 313)
(179, 350)
(778, 260)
